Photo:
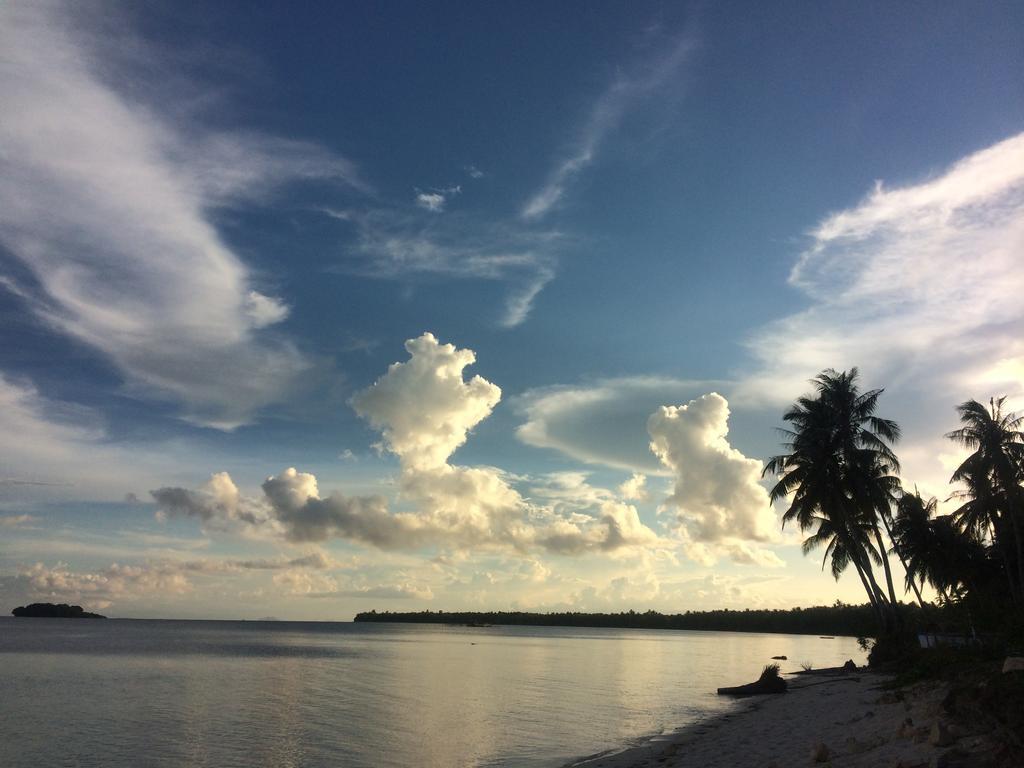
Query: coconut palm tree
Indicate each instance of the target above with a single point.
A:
(992, 475)
(840, 469)
(912, 537)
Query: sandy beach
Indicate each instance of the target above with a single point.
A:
(859, 724)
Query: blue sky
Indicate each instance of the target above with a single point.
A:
(643, 226)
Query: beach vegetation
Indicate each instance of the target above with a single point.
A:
(839, 479)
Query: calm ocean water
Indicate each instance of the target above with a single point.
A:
(121, 693)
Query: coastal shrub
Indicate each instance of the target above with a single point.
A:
(893, 649)
(770, 671)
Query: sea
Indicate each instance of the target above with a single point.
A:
(122, 693)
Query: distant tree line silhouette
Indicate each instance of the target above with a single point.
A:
(838, 619)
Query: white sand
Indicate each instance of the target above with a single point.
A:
(860, 725)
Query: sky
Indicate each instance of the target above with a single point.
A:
(320, 308)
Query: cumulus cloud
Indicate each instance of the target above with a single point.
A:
(603, 422)
(425, 410)
(635, 488)
(919, 285)
(422, 407)
(718, 497)
(105, 200)
(218, 504)
(295, 501)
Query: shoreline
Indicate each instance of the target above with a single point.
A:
(846, 721)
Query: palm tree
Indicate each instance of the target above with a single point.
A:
(993, 474)
(913, 539)
(838, 476)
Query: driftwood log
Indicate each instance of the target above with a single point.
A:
(769, 682)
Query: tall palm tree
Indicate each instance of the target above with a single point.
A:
(993, 475)
(840, 469)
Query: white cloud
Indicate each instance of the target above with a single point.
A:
(919, 286)
(16, 521)
(432, 201)
(718, 497)
(435, 200)
(296, 503)
(425, 409)
(520, 302)
(635, 488)
(218, 504)
(624, 93)
(122, 583)
(50, 450)
(95, 590)
(106, 200)
(604, 422)
(394, 245)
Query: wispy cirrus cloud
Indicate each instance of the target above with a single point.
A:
(626, 91)
(106, 200)
(391, 244)
(53, 451)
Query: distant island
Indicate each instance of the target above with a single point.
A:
(838, 619)
(49, 610)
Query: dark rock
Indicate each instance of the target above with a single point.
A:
(940, 735)
(849, 666)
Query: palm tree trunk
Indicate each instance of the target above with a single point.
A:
(872, 594)
(885, 565)
(867, 588)
(1014, 496)
(903, 562)
(999, 540)
(888, 577)
(860, 557)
